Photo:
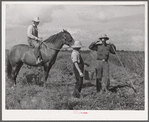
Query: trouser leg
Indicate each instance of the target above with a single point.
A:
(99, 76)
(36, 50)
(105, 78)
(78, 87)
(35, 45)
(37, 53)
(98, 85)
(79, 82)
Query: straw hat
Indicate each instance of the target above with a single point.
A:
(103, 36)
(77, 44)
(36, 19)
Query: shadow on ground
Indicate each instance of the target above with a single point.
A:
(87, 84)
(116, 88)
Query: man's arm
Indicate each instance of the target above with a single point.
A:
(74, 58)
(79, 70)
(112, 48)
(93, 46)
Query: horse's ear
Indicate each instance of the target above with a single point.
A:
(64, 30)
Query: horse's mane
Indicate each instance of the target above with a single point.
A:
(52, 38)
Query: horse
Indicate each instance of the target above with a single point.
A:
(24, 54)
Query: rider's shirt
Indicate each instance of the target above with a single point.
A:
(32, 31)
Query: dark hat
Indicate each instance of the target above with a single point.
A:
(103, 36)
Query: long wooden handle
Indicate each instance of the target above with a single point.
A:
(124, 69)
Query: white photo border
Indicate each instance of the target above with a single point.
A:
(72, 114)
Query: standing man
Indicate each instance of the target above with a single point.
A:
(102, 71)
(34, 40)
(78, 67)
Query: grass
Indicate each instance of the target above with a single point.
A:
(29, 93)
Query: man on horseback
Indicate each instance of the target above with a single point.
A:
(34, 40)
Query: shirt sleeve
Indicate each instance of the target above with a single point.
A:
(29, 32)
(93, 46)
(74, 57)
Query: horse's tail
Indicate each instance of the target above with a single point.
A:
(8, 65)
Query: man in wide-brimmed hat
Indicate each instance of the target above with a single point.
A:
(102, 71)
(34, 40)
(78, 67)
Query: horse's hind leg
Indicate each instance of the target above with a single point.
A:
(15, 70)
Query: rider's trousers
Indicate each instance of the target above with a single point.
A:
(35, 44)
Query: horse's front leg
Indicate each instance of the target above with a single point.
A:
(47, 68)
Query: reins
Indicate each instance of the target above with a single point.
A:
(52, 47)
(59, 49)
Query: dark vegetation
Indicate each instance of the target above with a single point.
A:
(29, 93)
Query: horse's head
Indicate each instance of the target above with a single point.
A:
(68, 40)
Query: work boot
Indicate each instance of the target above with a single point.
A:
(76, 94)
(98, 85)
(38, 61)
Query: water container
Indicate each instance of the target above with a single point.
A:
(89, 75)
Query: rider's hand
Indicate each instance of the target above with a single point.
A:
(36, 38)
(39, 39)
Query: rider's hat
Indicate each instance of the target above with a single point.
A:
(104, 36)
(77, 44)
(36, 19)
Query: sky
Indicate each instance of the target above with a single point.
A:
(123, 24)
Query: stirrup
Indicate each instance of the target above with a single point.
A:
(38, 61)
